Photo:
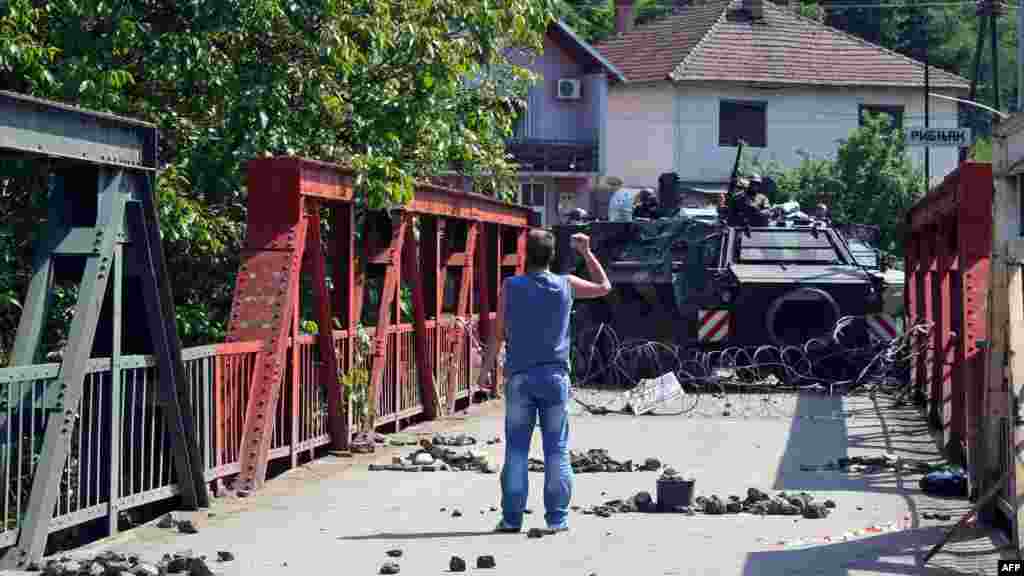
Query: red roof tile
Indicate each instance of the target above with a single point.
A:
(706, 42)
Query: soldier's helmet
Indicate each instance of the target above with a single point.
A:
(577, 215)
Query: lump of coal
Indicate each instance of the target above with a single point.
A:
(643, 502)
(390, 568)
(457, 564)
(755, 495)
(788, 509)
(198, 567)
(186, 527)
(651, 465)
(166, 521)
(714, 506)
(225, 556)
(813, 511)
(485, 561)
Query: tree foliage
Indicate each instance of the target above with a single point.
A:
(398, 89)
(870, 180)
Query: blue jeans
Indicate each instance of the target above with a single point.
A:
(543, 392)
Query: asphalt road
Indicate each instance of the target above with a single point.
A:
(334, 516)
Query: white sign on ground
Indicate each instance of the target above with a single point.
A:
(649, 393)
(952, 137)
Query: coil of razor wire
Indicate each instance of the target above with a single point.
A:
(832, 363)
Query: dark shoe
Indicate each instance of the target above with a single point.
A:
(557, 530)
(503, 528)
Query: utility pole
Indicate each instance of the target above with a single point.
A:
(987, 11)
(927, 108)
(1020, 55)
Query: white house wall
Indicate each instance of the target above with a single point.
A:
(644, 121)
(640, 132)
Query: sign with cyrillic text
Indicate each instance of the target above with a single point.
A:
(953, 137)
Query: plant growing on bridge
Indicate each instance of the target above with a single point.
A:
(355, 383)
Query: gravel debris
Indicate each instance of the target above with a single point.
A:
(167, 521)
(187, 527)
(456, 564)
(225, 556)
(598, 460)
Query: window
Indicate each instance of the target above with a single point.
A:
(786, 246)
(895, 114)
(532, 194)
(746, 121)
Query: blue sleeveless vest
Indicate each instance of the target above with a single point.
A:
(537, 308)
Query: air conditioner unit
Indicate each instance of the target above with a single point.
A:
(568, 89)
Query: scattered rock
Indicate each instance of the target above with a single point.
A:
(186, 527)
(146, 569)
(225, 556)
(814, 510)
(456, 513)
(485, 561)
(651, 465)
(198, 567)
(534, 533)
(830, 504)
(390, 568)
(395, 553)
(166, 521)
(457, 564)
(643, 502)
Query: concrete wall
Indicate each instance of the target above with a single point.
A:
(654, 129)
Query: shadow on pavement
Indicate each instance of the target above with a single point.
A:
(894, 553)
(869, 427)
(422, 535)
(816, 435)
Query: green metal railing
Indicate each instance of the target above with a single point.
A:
(119, 444)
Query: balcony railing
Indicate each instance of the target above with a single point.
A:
(535, 155)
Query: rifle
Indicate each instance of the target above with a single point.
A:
(729, 204)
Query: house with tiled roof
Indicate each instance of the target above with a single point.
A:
(718, 71)
(559, 139)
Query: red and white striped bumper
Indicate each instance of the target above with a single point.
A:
(713, 325)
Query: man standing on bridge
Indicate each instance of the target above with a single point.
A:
(533, 314)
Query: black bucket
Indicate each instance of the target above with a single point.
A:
(674, 493)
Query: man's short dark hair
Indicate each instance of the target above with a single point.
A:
(540, 249)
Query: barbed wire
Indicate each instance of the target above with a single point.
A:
(838, 362)
(831, 364)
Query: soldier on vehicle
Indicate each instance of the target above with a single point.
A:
(646, 205)
(750, 206)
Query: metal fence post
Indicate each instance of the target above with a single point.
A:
(115, 394)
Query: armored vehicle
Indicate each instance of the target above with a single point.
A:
(699, 281)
